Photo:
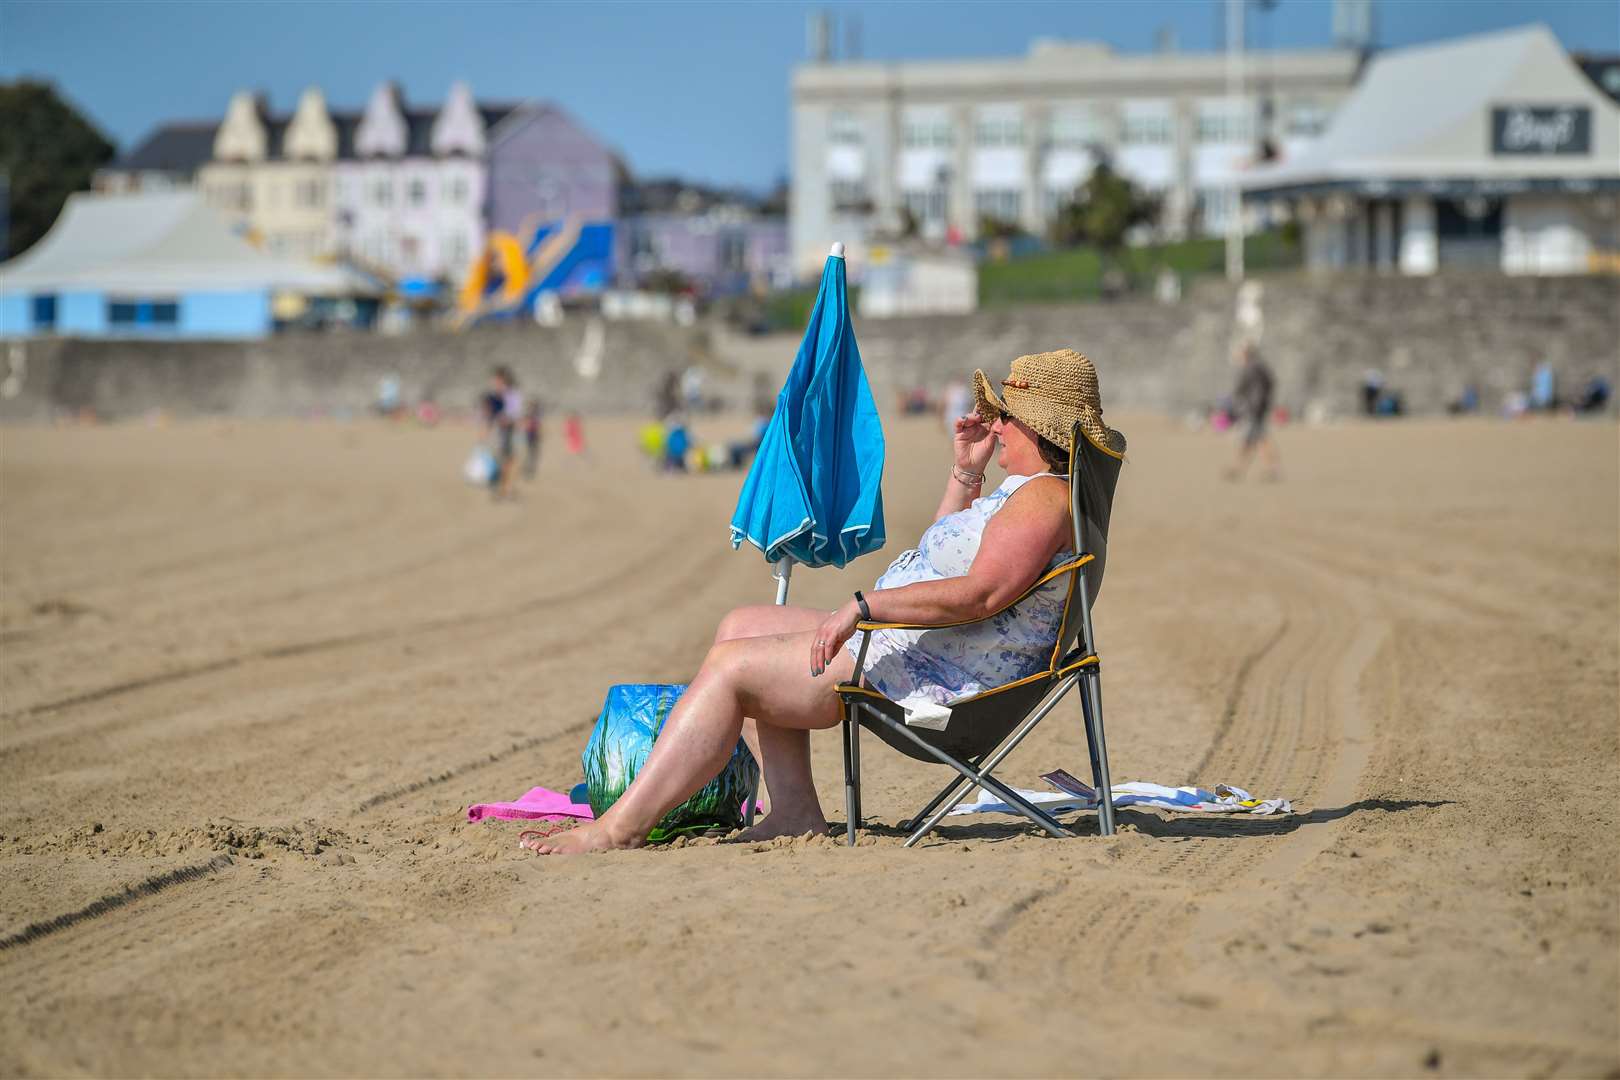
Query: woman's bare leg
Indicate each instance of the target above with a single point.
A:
(786, 765)
(757, 676)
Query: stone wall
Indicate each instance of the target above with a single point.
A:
(301, 373)
(1429, 336)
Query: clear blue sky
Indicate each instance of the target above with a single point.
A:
(695, 89)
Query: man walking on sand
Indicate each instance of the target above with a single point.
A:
(1252, 399)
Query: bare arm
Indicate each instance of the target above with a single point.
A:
(971, 447)
(1018, 543)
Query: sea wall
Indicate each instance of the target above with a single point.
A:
(1428, 336)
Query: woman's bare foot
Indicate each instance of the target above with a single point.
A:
(577, 841)
(782, 824)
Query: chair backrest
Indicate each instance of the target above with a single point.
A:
(1093, 476)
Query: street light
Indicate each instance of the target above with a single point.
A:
(1234, 97)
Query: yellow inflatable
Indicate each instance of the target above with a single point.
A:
(501, 250)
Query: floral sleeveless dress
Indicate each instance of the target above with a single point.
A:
(954, 662)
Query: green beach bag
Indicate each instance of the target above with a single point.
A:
(632, 717)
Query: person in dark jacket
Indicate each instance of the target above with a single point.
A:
(1252, 401)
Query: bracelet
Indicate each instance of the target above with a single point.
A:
(860, 602)
(965, 478)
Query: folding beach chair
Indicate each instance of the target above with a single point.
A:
(982, 730)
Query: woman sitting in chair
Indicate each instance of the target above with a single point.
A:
(982, 552)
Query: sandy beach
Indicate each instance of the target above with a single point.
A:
(252, 674)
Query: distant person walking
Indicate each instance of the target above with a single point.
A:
(531, 440)
(669, 395)
(503, 410)
(1251, 400)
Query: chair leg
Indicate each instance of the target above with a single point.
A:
(1091, 702)
(855, 758)
(852, 779)
(981, 778)
(944, 793)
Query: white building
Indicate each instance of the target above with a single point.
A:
(411, 196)
(954, 141)
(1492, 151)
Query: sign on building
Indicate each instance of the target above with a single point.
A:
(1539, 130)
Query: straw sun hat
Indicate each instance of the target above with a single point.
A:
(1050, 391)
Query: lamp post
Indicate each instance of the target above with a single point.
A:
(1234, 97)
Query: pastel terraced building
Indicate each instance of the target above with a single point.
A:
(396, 188)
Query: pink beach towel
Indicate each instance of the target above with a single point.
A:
(536, 803)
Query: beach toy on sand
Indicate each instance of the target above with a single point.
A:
(479, 467)
(632, 716)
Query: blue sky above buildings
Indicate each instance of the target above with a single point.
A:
(695, 89)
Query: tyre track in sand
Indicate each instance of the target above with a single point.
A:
(1291, 724)
(594, 633)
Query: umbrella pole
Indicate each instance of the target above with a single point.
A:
(782, 571)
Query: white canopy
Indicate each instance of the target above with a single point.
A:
(1433, 118)
(159, 244)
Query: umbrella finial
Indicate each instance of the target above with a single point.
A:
(837, 251)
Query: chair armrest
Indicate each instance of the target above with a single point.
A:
(1057, 571)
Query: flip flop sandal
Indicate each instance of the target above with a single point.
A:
(552, 829)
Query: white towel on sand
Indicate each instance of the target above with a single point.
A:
(1225, 799)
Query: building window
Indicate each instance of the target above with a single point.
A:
(140, 314)
(308, 194)
(925, 206)
(998, 131)
(1146, 129)
(382, 193)
(849, 197)
(456, 190)
(416, 193)
(1074, 128)
(45, 311)
(1003, 205)
(918, 134)
(1213, 207)
(844, 129)
(455, 250)
(734, 251)
(1225, 125)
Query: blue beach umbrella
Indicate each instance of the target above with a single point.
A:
(814, 493)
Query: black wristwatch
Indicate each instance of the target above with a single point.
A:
(860, 602)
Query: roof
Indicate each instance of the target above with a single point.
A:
(1604, 71)
(185, 147)
(158, 244)
(1425, 116)
(1059, 68)
(180, 148)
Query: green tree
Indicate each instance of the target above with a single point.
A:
(1104, 209)
(47, 152)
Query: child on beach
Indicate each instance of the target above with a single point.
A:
(574, 435)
